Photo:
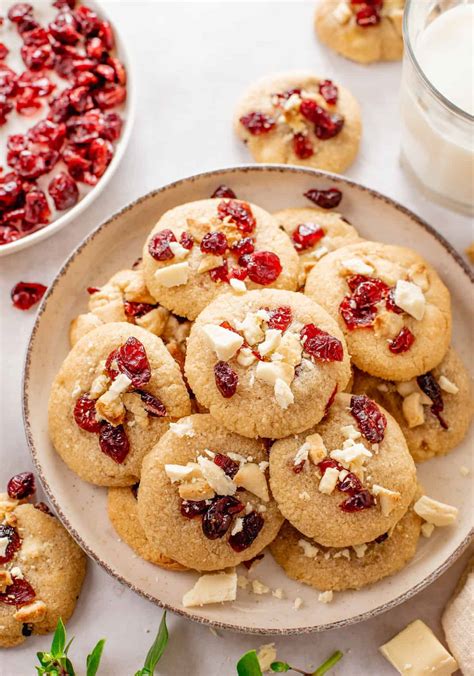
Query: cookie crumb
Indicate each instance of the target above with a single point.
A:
(465, 471)
(326, 597)
(259, 588)
(298, 603)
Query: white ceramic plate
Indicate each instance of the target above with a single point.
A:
(82, 507)
(17, 124)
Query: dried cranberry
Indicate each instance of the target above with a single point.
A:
(14, 542)
(390, 303)
(64, 191)
(186, 240)
(37, 57)
(328, 91)
(26, 294)
(367, 292)
(80, 99)
(84, 128)
(113, 441)
(85, 414)
(299, 467)
(59, 110)
(106, 72)
(326, 199)
(357, 502)
(18, 594)
(284, 96)
(36, 36)
(320, 344)
(356, 317)
(258, 123)
(10, 190)
(62, 4)
(119, 68)
(430, 387)
(246, 245)
(263, 267)
(280, 318)
(226, 379)
(20, 11)
(37, 210)
(239, 213)
(43, 507)
(367, 16)
(8, 234)
(15, 218)
(217, 519)
(238, 273)
(8, 80)
(48, 132)
(230, 467)
(153, 406)
(370, 419)
(251, 526)
(88, 20)
(402, 342)
(192, 508)
(350, 484)
(330, 401)
(302, 146)
(137, 309)
(329, 126)
(112, 126)
(3, 51)
(223, 191)
(214, 243)
(21, 486)
(381, 538)
(328, 464)
(306, 235)
(106, 34)
(110, 95)
(220, 274)
(92, 289)
(312, 111)
(133, 362)
(5, 108)
(100, 153)
(64, 28)
(158, 246)
(95, 48)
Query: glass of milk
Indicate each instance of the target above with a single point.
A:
(437, 99)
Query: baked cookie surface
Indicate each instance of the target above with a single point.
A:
(391, 305)
(431, 426)
(102, 421)
(266, 364)
(227, 243)
(345, 482)
(41, 573)
(361, 32)
(188, 503)
(298, 118)
(314, 233)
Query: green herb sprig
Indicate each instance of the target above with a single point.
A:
(248, 665)
(57, 663)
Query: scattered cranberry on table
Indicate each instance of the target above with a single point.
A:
(26, 294)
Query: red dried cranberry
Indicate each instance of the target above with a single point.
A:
(356, 317)
(320, 344)
(251, 526)
(263, 267)
(26, 294)
(257, 123)
(113, 441)
(133, 362)
(10, 190)
(37, 57)
(110, 95)
(299, 467)
(390, 303)
(368, 292)
(239, 213)
(192, 508)
(43, 507)
(85, 415)
(402, 342)
(92, 289)
(15, 219)
(119, 68)
(111, 364)
(284, 96)
(230, 467)
(381, 538)
(37, 210)
(158, 246)
(18, 594)
(367, 16)
(186, 240)
(95, 48)
(62, 4)
(280, 318)
(350, 484)
(84, 128)
(112, 126)
(100, 153)
(21, 486)
(370, 419)
(106, 72)
(329, 126)
(223, 191)
(330, 401)
(302, 146)
(76, 162)
(238, 273)
(357, 502)
(326, 199)
(14, 542)
(64, 191)
(20, 11)
(88, 20)
(48, 132)
(8, 234)
(85, 79)
(5, 108)
(153, 406)
(59, 110)
(214, 243)
(328, 464)
(137, 309)
(306, 235)
(64, 28)
(106, 34)
(3, 51)
(312, 111)
(430, 387)
(36, 36)
(226, 379)
(217, 519)
(220, 274)
(246, 245)
(328, 91)
(80, 99)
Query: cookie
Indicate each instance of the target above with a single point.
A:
(123, 514)
(266, 364)
(349, 479)
(361, 32)
(41, 572)
(298, 118)
(199, 250)
(392, 306)
(203, 499)
(347, 568)
(314, 233)
(112, 399)
(431, 426)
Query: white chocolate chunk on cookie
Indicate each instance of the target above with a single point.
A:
(225, 343)
(172, 275)
(410, 298)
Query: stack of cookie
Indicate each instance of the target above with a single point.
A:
(264, 380)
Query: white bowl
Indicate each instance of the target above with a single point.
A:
(82, 507)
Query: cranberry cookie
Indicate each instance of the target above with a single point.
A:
(199, 250)
(267, 363)
(392, 306)
(314, 233)
(348, 480)
(337, 569)
(112, 400)
(298, 118)
(41, 571)
(364, 31)
(203, 499)
(434, 410)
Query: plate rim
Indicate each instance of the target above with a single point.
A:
(245, 168)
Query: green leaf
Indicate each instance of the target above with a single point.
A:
(59, 639)
(93, 660)
(69, 667)
(157, 649)
(280, 666)
(248, 665)
(328, 664)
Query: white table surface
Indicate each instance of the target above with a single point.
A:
(190, 62)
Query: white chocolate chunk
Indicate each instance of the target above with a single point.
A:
(31, 613)
(209, 262)
(407, 387)
(413, 410)
(186, 472)
(360, 550)
(289, 349)
(416, 651)
(120, 384)
(427, 529)
(270, 372)
(357, 266)
(410, 298)
(246, 357)
(238, 526)
(329, 480)
(173, 275)
(4, 542)
(317, 449)
(99, 386)
(353, 454)
(447, 385)
(224, 342)
(266, 655)
(301, 454)
(238, 285)
(309, 550)
(388, 499)
(437, 513)
(326, 597)
(283, 394)
(342, 12)
(183, 428)
(259, 588)
(252, 479)
(271, 342)
(214, 588)
(251, 328)
(216, 477)
(196, 489)
(179, 252)
(350, 432)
